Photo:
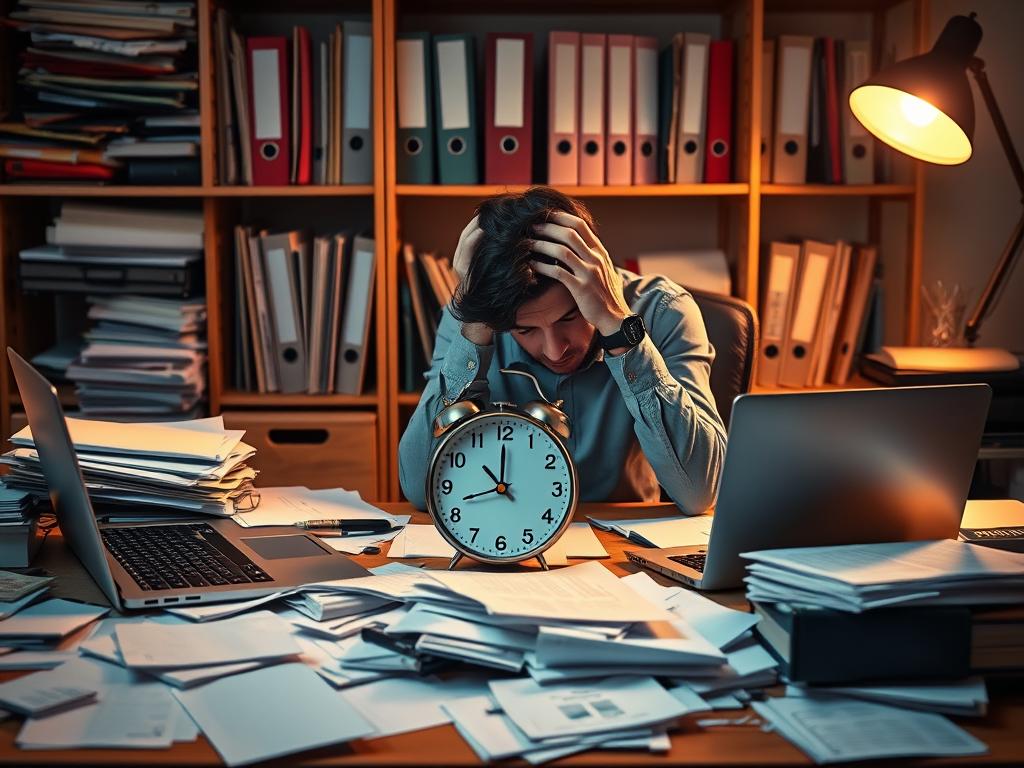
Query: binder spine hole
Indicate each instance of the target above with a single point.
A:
(509, 144)
(790, 147)
(799, 351)
(646, 149)
(690, 147)
(590, 147)
(297, 436)
(268, 151)
(291, 355)
(619, 147)
(764, 147)
(351, 355)
(719, 148)
(859, 150)
(564, 147)
(413, 146)
(456, 146)
(771, 351)
(356, 143)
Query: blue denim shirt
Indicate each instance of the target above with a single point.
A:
(639, 420)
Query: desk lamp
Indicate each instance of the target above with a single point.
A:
(923, 107)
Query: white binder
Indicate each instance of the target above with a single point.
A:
(783, 259)
(804, 327)
(357, 115)
(858, 145)
(355, 328)
(591, 121)
(792, 99)
(281, 280)
(692, 109)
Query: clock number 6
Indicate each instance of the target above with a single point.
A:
(500, 544)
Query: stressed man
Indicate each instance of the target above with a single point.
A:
(628, 355)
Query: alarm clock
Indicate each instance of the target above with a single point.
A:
(501, 485)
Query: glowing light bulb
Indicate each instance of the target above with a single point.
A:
(917, 111)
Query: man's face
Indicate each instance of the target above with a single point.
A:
(552, 331)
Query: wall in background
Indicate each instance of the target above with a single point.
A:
(970, 209)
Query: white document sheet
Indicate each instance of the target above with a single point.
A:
(272, 712)
(661, 531)
(654, 643)
(406, 704)
(257, 636)
(214, 611)
(9, 608)
(967, 697)
(578, 541)
(585, 592)
(422, 620)
(21, 660)
(420, 541)
(615, 703)
(50, 620)
(356, 545)
(37, 694)
(832, 729)
(288, 505)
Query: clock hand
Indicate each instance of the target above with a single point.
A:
(482, 493)
(491, 475)
(501, 473)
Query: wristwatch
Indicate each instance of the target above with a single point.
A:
(630, 333)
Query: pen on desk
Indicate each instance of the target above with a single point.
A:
(372, 525)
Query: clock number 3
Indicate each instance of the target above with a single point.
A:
(556, 489)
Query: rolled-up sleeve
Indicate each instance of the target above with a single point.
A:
(458, 370)
(665, 382)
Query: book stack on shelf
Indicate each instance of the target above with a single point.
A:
(305, 309)
(428, 286)
(106, 92)
(619, 112)
(295, 109)
(808, 133)
(818, 301)
(141, 272)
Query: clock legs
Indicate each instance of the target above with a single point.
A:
(454, 561)
(543, 563)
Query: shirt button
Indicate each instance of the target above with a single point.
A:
(471, 365)
(631, 376)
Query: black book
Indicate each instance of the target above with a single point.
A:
(177, 171)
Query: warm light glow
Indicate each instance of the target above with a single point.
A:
(918, 111)
(911, 125)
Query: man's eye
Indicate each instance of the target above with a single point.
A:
(523, 331)
(568, 319)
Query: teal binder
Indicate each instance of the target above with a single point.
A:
(415, 107)
(455, 109)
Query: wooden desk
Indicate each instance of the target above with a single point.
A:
(1002, 729)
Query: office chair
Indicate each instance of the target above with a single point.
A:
(732, 329)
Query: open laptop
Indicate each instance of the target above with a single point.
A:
(835, 467)
(152, 565)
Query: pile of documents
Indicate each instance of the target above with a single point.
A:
(152, 469)
(19, 517)
(108, 92)
(860, 577)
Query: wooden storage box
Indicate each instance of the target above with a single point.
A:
(316, 449)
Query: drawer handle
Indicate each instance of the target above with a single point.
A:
(317, 436)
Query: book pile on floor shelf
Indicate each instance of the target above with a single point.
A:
(107, 92)
(428, 286)
(305, 310)
(144, 357)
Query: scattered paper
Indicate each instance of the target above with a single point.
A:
(14, 586)
(661, 531)
(404, 704)
(51, 620)
(298, 504)
(420, 541)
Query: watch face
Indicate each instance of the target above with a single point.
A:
(633, 327)
(501, 487)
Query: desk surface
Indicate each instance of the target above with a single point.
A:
(1002, 729)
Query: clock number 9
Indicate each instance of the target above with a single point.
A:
(556, 489)
(446, 487)
(456, 514)
(500, 544)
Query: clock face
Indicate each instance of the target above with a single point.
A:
(501, 487)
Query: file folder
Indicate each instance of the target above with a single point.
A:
(508, 136)
(833, 131)
(718, 163)
(767, 108)
(855, 306)
(455, 100)
(792, 97)
(593, 54)
(819, 169)
(675, 54)
(619, 101)
(563, 107)
(302, 107)
(858, 146)
(692, 107)
(281, 280)
(355, 327)
(357, 113)
(666, 92)
(812, 280)
(783, 259)
(415, 103)
(268, 109)
(645, 110)
(831, 311)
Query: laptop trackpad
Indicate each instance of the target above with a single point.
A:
(278, 547)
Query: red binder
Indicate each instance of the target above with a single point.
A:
(835, 148)
(718, 146)
(508, 135)
(563, 107)
(304, 174)
(45, 169)
(267, 59)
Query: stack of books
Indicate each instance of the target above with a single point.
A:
(429, 286)
(110, 93)
(315, 85)
(147, 470)
(305, 308)
(19, 517)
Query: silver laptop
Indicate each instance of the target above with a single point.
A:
(835, 467)
(159, 564)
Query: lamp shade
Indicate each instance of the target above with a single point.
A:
(923, 106)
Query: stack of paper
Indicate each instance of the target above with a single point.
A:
(834, 729)
(964, 698)
(145, 359)
(15, 503)
(860, 577)
(192, 466)
(18, 590)
(41, 626)
(661, 531)
(19, 518)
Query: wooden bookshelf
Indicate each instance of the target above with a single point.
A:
(737, 217)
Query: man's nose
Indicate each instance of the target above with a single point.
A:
(555, 346)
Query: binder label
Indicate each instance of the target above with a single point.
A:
(508, 85)
(796, 65)
(451, 65)
(620, 90)
(266, 110)
(358, 59)
(565, 87)
(695, 73)
(412, 97)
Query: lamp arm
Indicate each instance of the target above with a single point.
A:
(1013, 245)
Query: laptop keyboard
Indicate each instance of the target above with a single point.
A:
(179, 556)
(695, 560)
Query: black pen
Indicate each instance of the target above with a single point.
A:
(371, 525)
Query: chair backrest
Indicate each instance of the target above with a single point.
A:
(732, 330)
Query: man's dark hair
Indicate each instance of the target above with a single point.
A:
(500, 278)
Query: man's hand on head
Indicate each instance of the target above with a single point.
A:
(478, 333)
(584, 268)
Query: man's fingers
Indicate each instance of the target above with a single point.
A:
(568, 237)
(577, 224)
(553, 271)
(473, 224)
(560, 253)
